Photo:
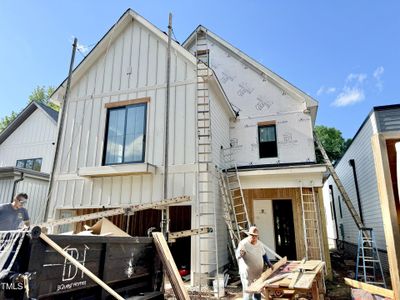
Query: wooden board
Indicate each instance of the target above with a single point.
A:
(259, 284)
(170, 266)
(305, 281)
(376, 290)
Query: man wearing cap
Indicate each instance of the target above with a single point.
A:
(251, 257)
(13, 215)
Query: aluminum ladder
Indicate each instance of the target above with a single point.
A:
(368, 265)
(339, 184)
(311, 224)
(208, 244)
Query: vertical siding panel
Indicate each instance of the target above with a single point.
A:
(179, 126)
(149, 155)
(159, 130)
(116, 186)
(143, 54)
(108, 69)
(100, 74)
(85, 133)
(117, 63)
(126, 58)
(152, 62)
(76, 136)
(101, 132)
(97, 194)
(172, 128)
(125, 190)
(161, 63)
(190, 124)
(106, 191)
(69, 137)
(147, 188)
(136, 189)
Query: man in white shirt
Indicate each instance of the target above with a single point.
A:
(251, 257)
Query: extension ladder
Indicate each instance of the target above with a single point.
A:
(368, 265)
(206, 202)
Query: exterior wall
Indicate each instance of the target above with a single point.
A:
(259, 100)
(32, 139)
(133, 66)
(35, 187)
(361, 151)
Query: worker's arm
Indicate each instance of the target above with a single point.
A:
(241, 251)
(27, 223)
(267, 261)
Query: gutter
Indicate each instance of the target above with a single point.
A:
(334, 211)
(352, 163)
(15, 185)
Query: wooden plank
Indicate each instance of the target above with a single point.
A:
(80, 266)
(324, 233)
(388, 207)
(259, 284)
(170, 266)
(376, 290)
(305, 281)
(127, 102)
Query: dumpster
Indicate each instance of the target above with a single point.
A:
(129, 265)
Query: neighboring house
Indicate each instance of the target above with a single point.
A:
(357, 171)
(112, 144)
(26, 151)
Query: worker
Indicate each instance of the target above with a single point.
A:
(251, 257)
(14, 216)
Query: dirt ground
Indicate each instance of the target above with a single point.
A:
(335, 290)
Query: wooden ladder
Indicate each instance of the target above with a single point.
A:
(311, 224)
(208, 264)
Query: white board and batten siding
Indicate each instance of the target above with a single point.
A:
(133, 66)
(36, 188)
(259, 99)
(34, 138)
(361, 151)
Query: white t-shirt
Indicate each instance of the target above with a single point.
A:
(252, 262)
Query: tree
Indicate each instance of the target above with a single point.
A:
(40, 94)
(4, 122)
(333, 142)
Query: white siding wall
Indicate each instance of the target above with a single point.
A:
(32, 139)
(361, 151)
(220, 137)
(133, 67)
(259, 100)
(36, 188)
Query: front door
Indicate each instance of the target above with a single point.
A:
(284, 229)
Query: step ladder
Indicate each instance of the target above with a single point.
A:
(368, 265)
(208, 265)
(311, 223)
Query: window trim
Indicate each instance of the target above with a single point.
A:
(116, 107)
(264, 125)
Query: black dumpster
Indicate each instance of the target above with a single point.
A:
(129, 265)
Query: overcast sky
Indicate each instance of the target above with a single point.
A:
(345, 54)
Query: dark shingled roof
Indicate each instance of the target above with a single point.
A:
(23, 115)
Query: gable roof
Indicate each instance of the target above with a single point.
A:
(24, 114)
(311, 103)
(128, 16)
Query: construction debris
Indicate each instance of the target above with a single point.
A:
(365, 291)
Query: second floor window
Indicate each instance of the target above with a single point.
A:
(267, 141)
(125, 135)
(31, 164)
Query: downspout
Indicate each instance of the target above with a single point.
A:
(352, 163)
(15, 185)
(334, 211)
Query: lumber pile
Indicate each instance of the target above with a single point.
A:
(170, 266)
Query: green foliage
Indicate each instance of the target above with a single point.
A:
(40, 94)
(333, 142)
(4, 122)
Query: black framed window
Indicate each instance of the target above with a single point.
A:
(31, 164)
(267, 141)
(125, 134)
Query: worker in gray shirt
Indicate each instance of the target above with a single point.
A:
(14, 216)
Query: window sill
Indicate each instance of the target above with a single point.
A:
(118, 170)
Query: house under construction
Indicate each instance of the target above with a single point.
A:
(230, 120)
